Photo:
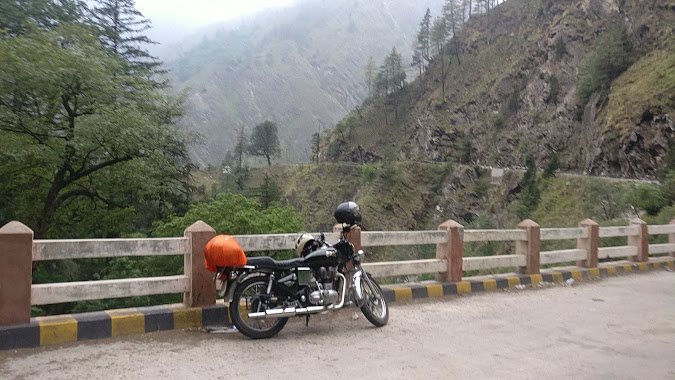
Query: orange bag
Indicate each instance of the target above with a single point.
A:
(223, 251)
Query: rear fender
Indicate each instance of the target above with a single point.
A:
(232, 283)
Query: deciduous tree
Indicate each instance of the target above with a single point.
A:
(72, 126)
(264, 141)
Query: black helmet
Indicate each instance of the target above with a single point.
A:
(348, 212)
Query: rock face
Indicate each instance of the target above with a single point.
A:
(515, 92)
(638, 155)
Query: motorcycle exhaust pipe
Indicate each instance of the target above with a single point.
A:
(289, 312)
(292, 311)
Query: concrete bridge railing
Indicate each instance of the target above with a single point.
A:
(18, 252)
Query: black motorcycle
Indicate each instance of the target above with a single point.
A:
(264, 293)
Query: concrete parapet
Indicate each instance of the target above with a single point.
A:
(529, 248)
(58, 329)
(590, 244)
(639, 241)
(671, 239)
(202, 287)
(452, 251)
(16, 259)
(42, 331)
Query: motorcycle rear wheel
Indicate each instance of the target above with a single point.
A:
(374, 306)
(250, 297)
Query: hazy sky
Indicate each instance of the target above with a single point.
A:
(194, 13)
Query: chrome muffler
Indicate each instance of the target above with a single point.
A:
(294, 311)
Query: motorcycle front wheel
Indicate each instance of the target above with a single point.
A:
(251, 297)
(374, 306)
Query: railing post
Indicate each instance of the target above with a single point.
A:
(202, 288)
(590, 244)
(529, 248)
(671, 239)
(452, 251)
(639, 241)
(16, 260)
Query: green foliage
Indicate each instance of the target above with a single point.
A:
(233, 214)
(559, 47)
(466, 148)
(264, 141)
(552, 166)
(611, 56)
(530, 195)
(391, 76)
(120, 29)
(423, 46)
(554, 89)
(649, 198)
(603, 200)
(482, 188)
(390, 173)
(74, 129)
(498, 120)
(19, 17)
(316, 144)
(269, 193)
(513, 103)
(368, 172)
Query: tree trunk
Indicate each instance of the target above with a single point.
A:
(443, 75)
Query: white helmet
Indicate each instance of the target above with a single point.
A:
(303, 241)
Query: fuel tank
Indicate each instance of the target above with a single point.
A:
(322, 257)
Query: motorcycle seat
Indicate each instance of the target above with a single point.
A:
(268, 262)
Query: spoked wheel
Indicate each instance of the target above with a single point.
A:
(250, 297)
(374, 306)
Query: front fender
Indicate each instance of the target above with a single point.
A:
(358, 288)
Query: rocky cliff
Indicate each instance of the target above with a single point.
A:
(511, 88)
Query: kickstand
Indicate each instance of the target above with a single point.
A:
(307, 320)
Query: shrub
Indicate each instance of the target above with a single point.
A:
(552, 166)
(498, 120)
(612, 55)
(368, 173)
(559, 47)
(649, 198)
(554, 89)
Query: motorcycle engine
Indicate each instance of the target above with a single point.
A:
(324, 294)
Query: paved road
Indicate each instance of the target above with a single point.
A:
(619, 328)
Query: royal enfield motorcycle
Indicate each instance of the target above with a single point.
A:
(264, 293)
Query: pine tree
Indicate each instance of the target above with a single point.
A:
(424, 36)
(240, 147)
(121, 28)
(370, 73)
(46, 14)
(452, 14)
(439, 35)
(418, 62)
(316, 141)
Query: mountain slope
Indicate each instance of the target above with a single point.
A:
(499, 101)
(301, 67)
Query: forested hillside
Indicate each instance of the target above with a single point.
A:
(301, 67)
(590, 83)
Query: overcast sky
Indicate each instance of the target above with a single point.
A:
(195, 13)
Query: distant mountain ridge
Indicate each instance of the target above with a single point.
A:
(301, 67)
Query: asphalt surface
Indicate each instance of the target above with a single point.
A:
(619, 327)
